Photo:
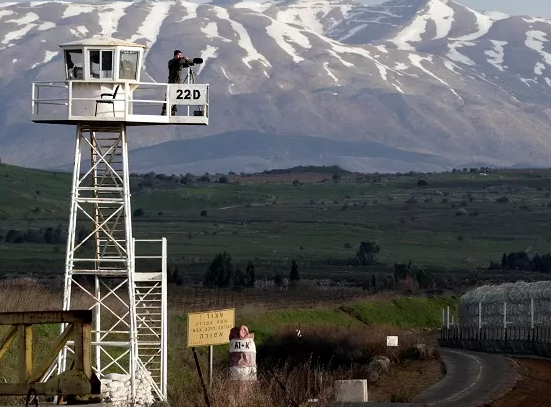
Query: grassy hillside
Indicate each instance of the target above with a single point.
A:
(457, 221)
(385, 316)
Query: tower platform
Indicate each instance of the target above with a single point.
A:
(134, 104)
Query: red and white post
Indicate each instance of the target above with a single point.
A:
(242, 354)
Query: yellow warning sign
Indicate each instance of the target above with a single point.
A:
(210, 328)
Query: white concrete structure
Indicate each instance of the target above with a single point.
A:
(99, 96)
(351, 391)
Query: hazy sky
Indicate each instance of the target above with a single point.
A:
(541, 8)
(531, 7)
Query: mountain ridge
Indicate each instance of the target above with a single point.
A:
(426, 76)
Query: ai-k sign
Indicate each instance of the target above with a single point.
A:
(184, 94)
(242, 345)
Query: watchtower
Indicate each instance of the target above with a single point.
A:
(100, 94)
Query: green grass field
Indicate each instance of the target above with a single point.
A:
(266, 219)
(383, 313)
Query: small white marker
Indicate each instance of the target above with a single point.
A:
(391, 341)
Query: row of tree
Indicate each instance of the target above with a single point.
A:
(523, 262)
(46, 235)
(223, 273)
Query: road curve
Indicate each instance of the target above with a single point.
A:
(472, 379)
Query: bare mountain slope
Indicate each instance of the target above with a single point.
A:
(426, 76)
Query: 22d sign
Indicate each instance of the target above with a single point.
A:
(210, 328)
(188, 94)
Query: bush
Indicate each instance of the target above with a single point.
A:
(336, 349)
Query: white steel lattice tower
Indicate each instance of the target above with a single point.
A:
(102, 77)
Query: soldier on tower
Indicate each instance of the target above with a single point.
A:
(175, 66)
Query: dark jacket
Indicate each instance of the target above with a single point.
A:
(175, 69)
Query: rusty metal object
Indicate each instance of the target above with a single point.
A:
(80, 380)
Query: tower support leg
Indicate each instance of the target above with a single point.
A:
(99, 268)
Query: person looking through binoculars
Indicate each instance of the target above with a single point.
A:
(175, 66)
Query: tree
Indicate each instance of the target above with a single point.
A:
(336, 178)
(402, 271)
(296, 183)
(250, 273)
(278, 280)
(177, 277)
(294, 275)
(374, 282)
(367, 252)
(220, 271)
(223, 180)
(240, 278)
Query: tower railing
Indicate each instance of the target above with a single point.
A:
(136, 103)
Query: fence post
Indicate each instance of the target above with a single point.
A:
(532, 313)
(479, 314)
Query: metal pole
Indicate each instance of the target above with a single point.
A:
(531, 313)
(448, 317)
(504, 315)
(211, 357)
(164, 306)
(480, 315)
(198, 366)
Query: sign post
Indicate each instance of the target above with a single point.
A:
(208, 329)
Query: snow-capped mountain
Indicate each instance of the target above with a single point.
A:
(429, 77)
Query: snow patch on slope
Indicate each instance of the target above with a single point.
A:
(47, 58)
(209, 52)
(244, 40)
(191, 9)
(281, 32)
(496, 55)
(307, 14)
(5, 13)
(79, 31)
(484, 23)
(330, 73)
(28, 24)
(211, 31)
(76, 9)
(535, 40)
(110, 15)
(417, 59)
(439, 12)
(151, 26)
(254, 5)
(27, 19)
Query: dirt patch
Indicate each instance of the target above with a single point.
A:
(531, 389)
(406, 380)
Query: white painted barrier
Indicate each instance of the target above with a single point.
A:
(242, 352)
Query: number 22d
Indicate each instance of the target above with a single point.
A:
(187, 94)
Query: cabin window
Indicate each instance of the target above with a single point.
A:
(101, 64)
(128, 65)
(74, 64)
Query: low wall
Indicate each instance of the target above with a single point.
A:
(516, 341)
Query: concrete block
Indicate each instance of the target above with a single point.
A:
(347, 391)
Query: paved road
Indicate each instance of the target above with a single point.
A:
(472, 379)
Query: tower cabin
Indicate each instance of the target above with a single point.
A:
(102, 83)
